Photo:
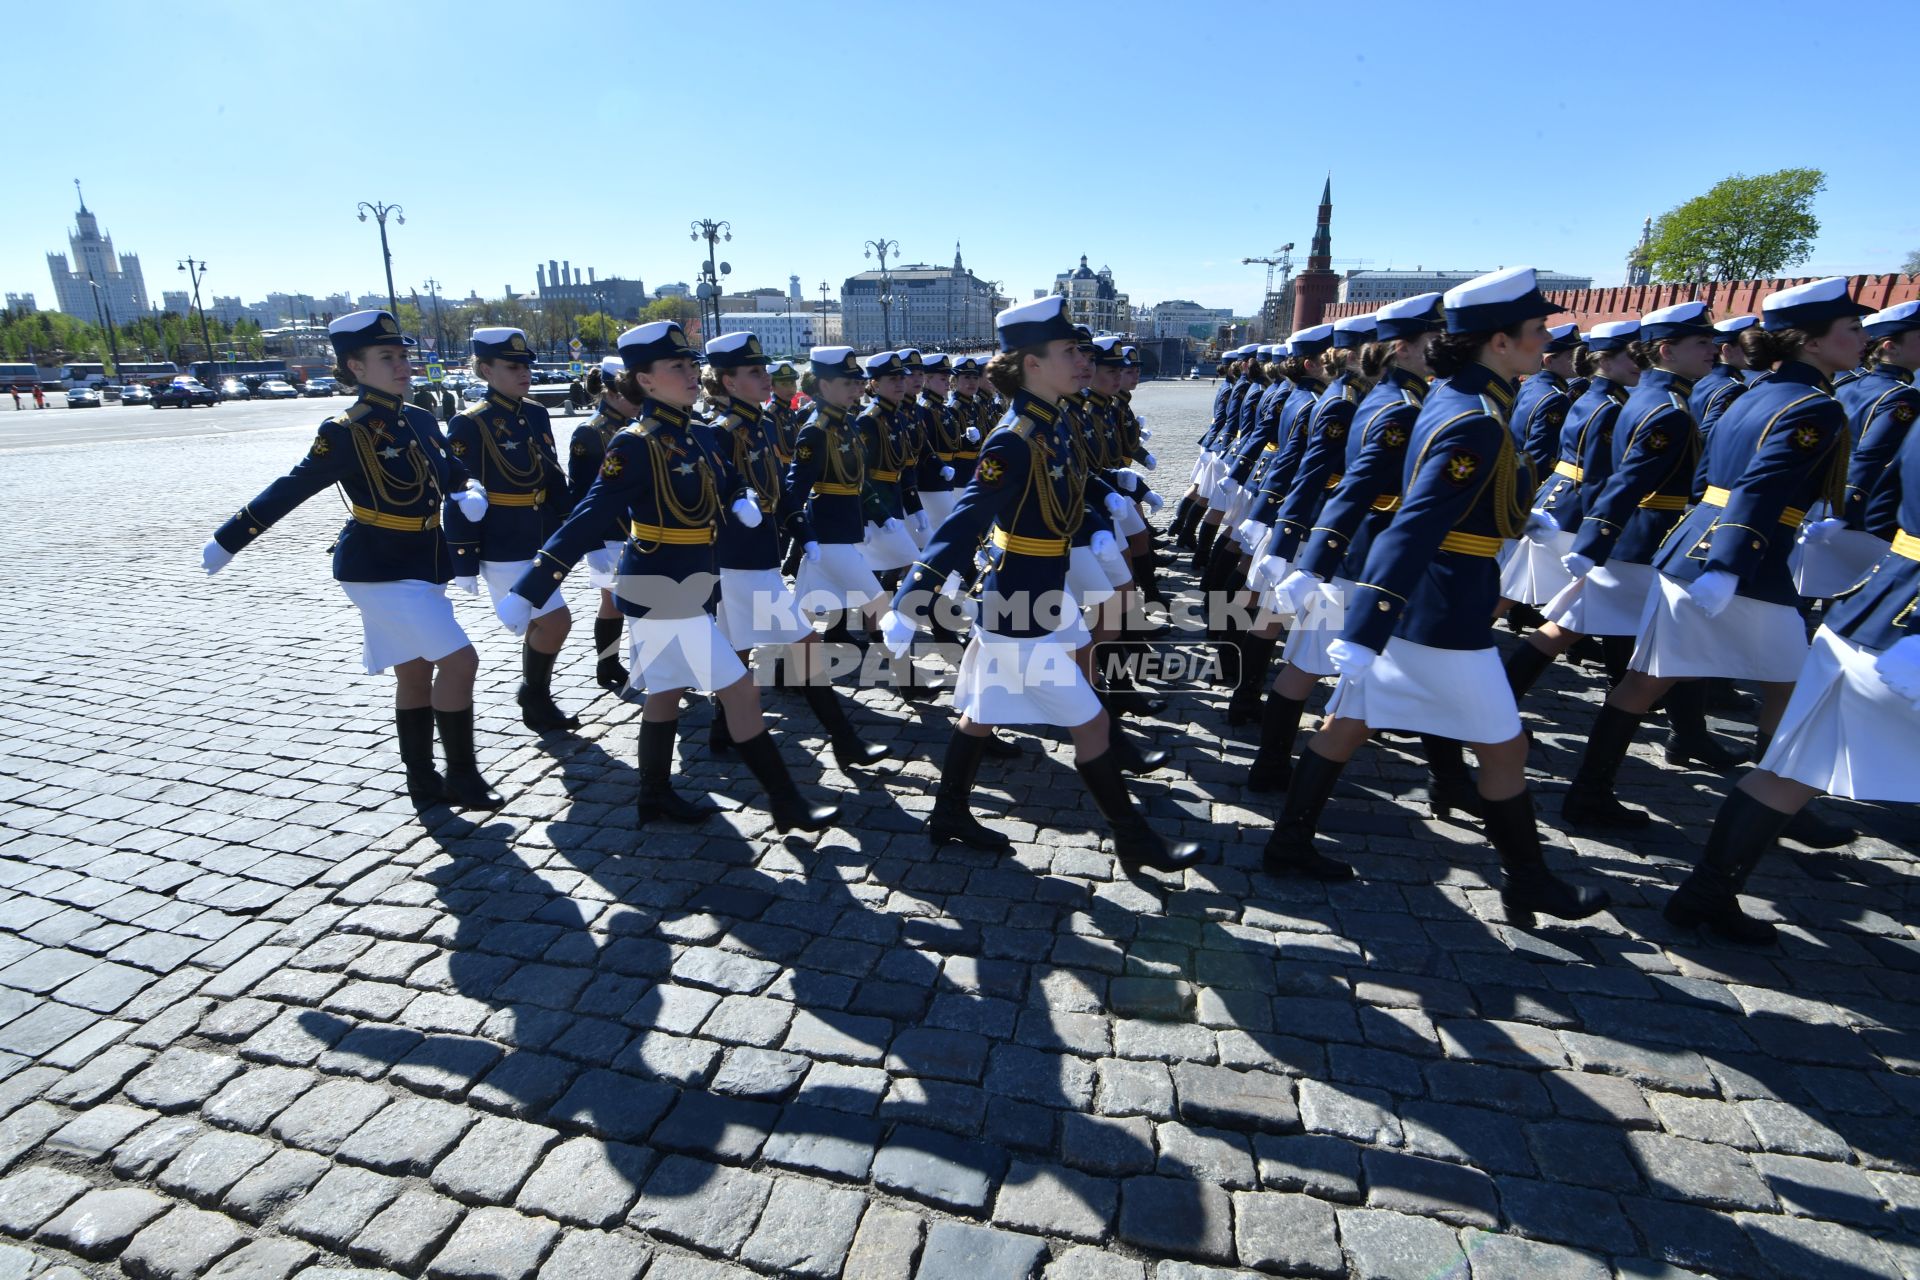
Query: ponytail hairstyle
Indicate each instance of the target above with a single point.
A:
(1374, 359)
(1583, 358)
(1452, 352)
(627, 386)
(594, 385)
(1006, 370)
(1334, 361)
(1293, 368)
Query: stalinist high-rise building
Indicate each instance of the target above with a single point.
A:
(123, 290)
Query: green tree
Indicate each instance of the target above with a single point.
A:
(598, 330)
(1744, 228)
(1911, 266)
(682, 311)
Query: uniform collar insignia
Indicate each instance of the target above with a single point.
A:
(1033, 407)
(499, 401)
(379, 400)
(665, 415)
(750, 413)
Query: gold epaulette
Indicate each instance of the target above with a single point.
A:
(352, 413)
(1022, 426)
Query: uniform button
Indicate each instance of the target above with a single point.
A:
(253, 531)
(1383, 606)
(1755, 544)
(557, 575)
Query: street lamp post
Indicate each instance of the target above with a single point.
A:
(993, 296)
(439, 330)
(882, 248)
(101, 300)
(195, 270)
(380, 212)
(820, 333)
(712, 232)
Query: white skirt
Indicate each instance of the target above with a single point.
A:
(1845, 732)
(1225, 490)
(839, 579)
(500, 575)
(680, 653)
(401, 621)
(608, 581)
(1243, 500)
(939, 504)
(1202, 467)
(1252, 536)
(1532, 573)
(1027, 680)
(1453, 693)
(1750, 640)
(1610, 602)
(1126, 524)
(889, 548)
(1087, 578)
(758, 607)
(1313, 630)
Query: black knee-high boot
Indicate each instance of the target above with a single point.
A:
(951, 820)
(719, 732)
(1256, 655)
(414, 725)
(658, 799)
(1289, 850)
(1450, 783)
(1690, 742)
(1524, 666)
(1744, 832)
(464, 785)
(1590, 800)
(1203, 546)
(1530, 887)
(537, 709)
(1272, 767)
(1183, 520)
(762, 755)
(1809, 826)
(849, 752)
(1134, 839)
(609, 672)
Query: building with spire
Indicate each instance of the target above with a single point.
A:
(122, 289)
(1094, 300)
(1639, 264)
(1316, 288)
(918, 305)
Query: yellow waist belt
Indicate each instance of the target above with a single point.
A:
(1664, 502)
(944, 457)
(885, 476)
(836, 490)
(1333, 481)
(1906, 545)
(533, 499)
(1029, 546)
(1387, 504)
(1570, 470)
(404, 524)
(678, 537)
(1792, 517)
(1471, 544)
(969, 455)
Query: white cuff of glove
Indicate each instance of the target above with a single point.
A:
(747, 512)
(1115, 504)
(1127, 480)
(472, 502)
(1899, 666)
(1576, 564)
(515, 612)
(469, 585)
(1150, 462)
(946, 473)
(897, 633)
(1295, 587)
(1145, 434)
(811, 551)
(894, 525)
(214, 557)
(1713, 591)
(1154, 501)
(1821, 531)
(1540, 525)
(973, 435)
(1350, 659)
(1103, 546)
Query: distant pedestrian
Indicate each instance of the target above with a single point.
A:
(39, 397)
(16, 395)
(448, 406)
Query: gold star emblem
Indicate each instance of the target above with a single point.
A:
(685, 468)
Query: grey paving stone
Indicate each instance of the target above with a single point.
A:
(402, 1236)
(937, 1168)
(1349, 1111)
(446, 1066)
(340, 1205)
(805, 1230)
(494, 1244)
(1589, 1155)
(492, 1160)
(817, 1140)
(34, 1194)
(1382, 1245)
(680, 1266)
(596, 1255)
(767, 1075)
(587, 1182)
(1291, 1234)
(408, 1136)
(101, 1077)
(1229, 1099)
(100, 1223)
(294, 1038)
(1823, 1189)
(327, 1115)
(215, 1161)
(1084, 1262)
(252, 1099)
(1587, 1095)
(1709, 1175)
(1802, 1247)
(181, 1246)
(1674, 1070)
(1430, 1188)
(1177, 1216)
(961, 1251)
(609, 1104)
(938, 1054)
(268, 1258)
(1575, 1216)
(1105, 1145)
(1213, 1155)
(1689, 1236)
(1789, 1130)
(729, 1129)
(885, 1246)
(1474, 1136)
(1129, 1088)
(1703, 1120)
(284, 1177)
(95, 1132)
(841, 1038)
(1323, 1166)
(704, 1206)
(1504, 1257)
(181, 1079)
(1051, 1201)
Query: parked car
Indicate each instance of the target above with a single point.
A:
(136, 393)
(234, 389)
(319, 387)
(475, 392)
(275, 389)
(184, 393)
(83, 398)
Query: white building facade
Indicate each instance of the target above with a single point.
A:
(121, 288)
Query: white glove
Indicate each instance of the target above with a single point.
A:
(1713, 591)
(1115, 504)
(983, 559)
(1821, 531)
(946, 473)
(1154, 501)
(469, 585)
(1103, 546)
(1540, 525)
(897, 633)
(472, 502)
(1295, 588)
(953, 586)
(811, 552)
(973, 435)
(515, 611)
(1249, 530)
(1145, 435)
(1576, 564)
(1267, 570)
(1899, 666)
(604, 562)
(214, 557)
(747, 512)
(922, 524)
(893, 525)
(1148, 461)
(1350, 659)
(1127, 479)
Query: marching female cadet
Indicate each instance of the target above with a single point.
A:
(507, 443)
(1725, 604)
(1134, 435)
(1193, 503)
(1416, 653)
(1654, 452)
(936, 474)
(822, 504)
(887, 437)
(1541, 407)
(391, 559)
(757, 607)
(1722, 384)
(1252, 412)
(660, 475)
(1848, 729)
(968, 405)
(1881, 405)
(782, 418)
(1019, 667)
(585, 453)
(1532, 573)
(1335, 550)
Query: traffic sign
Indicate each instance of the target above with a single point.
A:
(435, 372)
(574, 345)
(576, 368)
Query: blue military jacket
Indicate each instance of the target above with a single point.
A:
(889, 436)
(589, 447)
(1780, 448)
(1881, 405)
(820, 500)
(508, 446)
(661, 479)
(1881, 610)
(1719, 387)
(1319, 469)
(964, 412)
(748, 448)
(1026, 497)
(1368, 494)
(1656, 449)
(1289, 447)
(394, 471)
(1586, 453)
(1433, 575)
(1538, 412)
(1260, 427)
(937, 444)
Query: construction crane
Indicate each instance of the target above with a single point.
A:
(1283, 260)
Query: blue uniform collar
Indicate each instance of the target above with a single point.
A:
(1805, 374)
(1041, 411)
(1895, 372)
(380, 400)
(1477, 379)
(751, 412)
(1553, 379)
(499, 401)
(664, 414)
(614, 414)
(1408, 380)
(1665, 378)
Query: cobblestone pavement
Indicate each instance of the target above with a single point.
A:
(257, 1019)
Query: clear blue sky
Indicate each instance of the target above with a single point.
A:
(1165, 141)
